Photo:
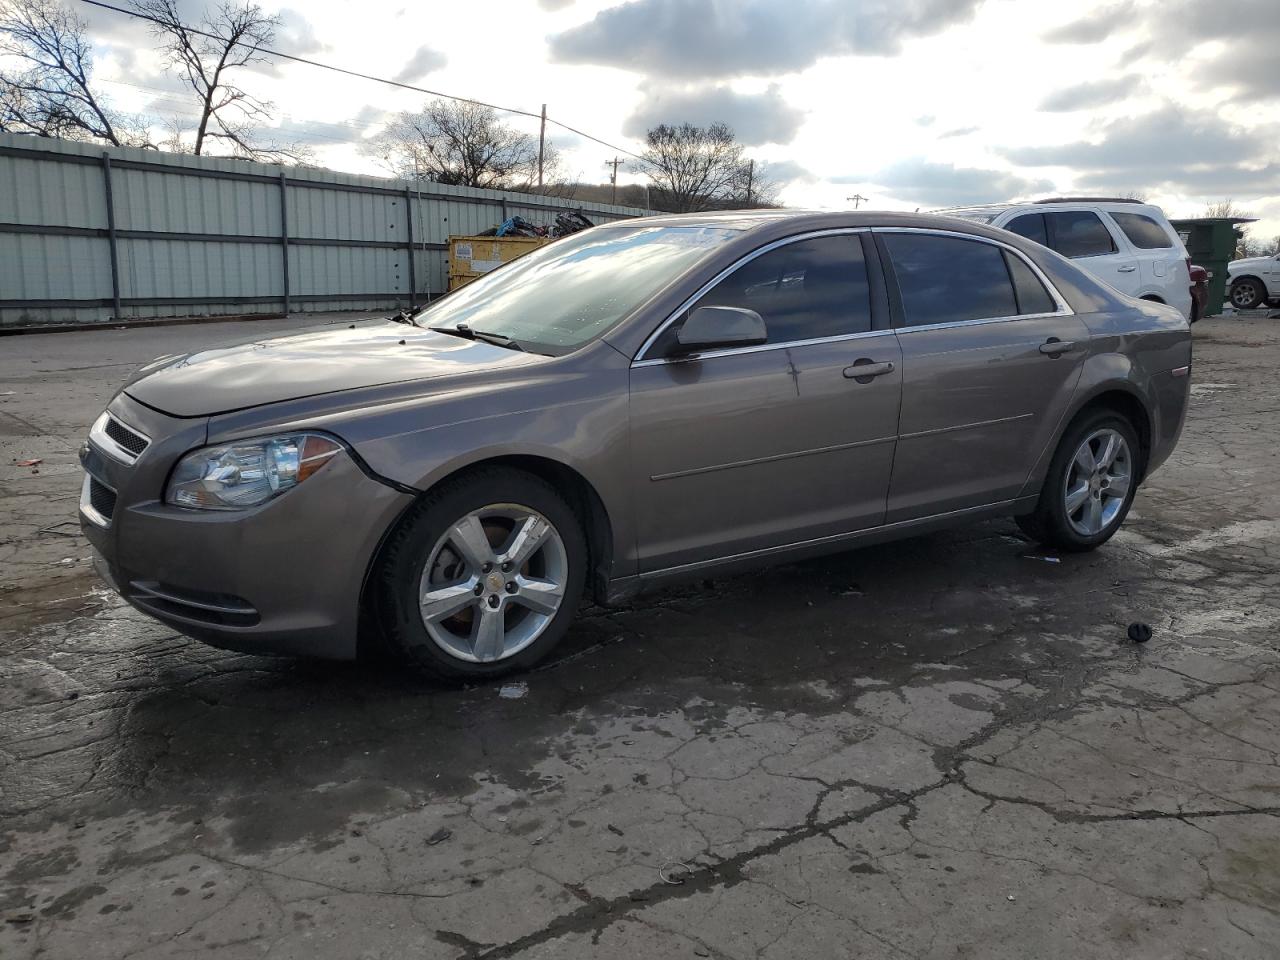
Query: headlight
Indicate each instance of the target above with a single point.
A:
(245, 474)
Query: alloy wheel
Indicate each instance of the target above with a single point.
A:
(1244, 294)
(493, 582)
(1098, 481)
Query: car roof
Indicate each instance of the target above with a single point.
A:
(799, 220)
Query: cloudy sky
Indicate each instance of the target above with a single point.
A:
(911, 103)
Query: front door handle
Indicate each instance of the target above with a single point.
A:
(1053, 346)
(1127, 268)
(864, 369)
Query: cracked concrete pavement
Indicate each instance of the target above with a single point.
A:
(944, 747)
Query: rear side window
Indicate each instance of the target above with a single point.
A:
(1031, 226)
(1031, 293)
(1079, 233)
(1143, 232)
(947, 279)
(805, 290)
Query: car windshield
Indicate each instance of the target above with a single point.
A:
(569, 292)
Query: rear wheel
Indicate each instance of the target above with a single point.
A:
(484, 577)
(1248, 293)
(1090, 485)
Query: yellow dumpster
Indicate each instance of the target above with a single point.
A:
(471, 257)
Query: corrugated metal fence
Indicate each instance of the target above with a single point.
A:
(91, 234)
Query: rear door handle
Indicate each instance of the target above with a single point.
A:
(1053, 346)
(1127, 268)
(864, 369)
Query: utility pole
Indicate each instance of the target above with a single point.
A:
(858, 199)
(751, 176)
(542, 144)
(613, 177)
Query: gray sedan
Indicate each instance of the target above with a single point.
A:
(639, 402)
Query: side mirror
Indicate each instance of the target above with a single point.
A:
(709, 328)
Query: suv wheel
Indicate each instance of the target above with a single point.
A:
(483, 577)
(1248, 294)
(1090, 485)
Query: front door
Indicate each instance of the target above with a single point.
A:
(990, 361)
(741, 450)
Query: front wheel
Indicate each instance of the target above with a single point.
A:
(483, 577)
(1090, 485)
(1248, 294)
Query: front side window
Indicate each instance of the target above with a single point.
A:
(571, 291)
(948, 279)
(1079, 233)
(1031, 226)
(806, 290)
(1143, 232)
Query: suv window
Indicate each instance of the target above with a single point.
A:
(1079, 233)
(804, 291)
(1031, 226)
(947, 279)
(1143, 232)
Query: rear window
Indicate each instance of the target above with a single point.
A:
(1079, 233)
(1143, 232)
(946, 279)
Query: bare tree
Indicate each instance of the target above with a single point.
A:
(207, 58)
(461, 143)
(694, 168)
(1245, 245)
(52, 94)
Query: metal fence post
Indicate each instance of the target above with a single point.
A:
(284, 235)
(408, 217)
(111, 236)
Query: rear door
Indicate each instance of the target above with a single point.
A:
(744, 449)
(1081, 235)
(1160, 255)
(990, 360)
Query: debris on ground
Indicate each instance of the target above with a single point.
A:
(29, 463)
(440, 836)
(675, 872)
(1042, 558)
(513, 691)
(1139, 632)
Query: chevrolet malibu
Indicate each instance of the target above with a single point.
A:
(647, 400)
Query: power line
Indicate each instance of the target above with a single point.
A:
(137, 14)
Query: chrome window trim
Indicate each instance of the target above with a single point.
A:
(642, 360)
(1064, 309)
(99, 437)
(759, 348)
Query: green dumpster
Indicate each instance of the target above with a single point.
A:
(1211, 243)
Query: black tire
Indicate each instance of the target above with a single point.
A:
(1049, 523)
(409, 548)
(1247, 293)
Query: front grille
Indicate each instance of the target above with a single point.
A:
(134, 442)
(102, 498)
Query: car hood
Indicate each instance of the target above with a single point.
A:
(1248, 263)
(319, 361)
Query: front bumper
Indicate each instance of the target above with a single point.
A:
(285, 577)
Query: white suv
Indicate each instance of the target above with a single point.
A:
(1128, 244)
(1254, 281)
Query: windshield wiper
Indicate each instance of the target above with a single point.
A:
(497, 339)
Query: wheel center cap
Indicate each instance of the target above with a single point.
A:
(1095, 484)
(493, 582)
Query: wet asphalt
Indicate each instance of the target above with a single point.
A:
(944, 747)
